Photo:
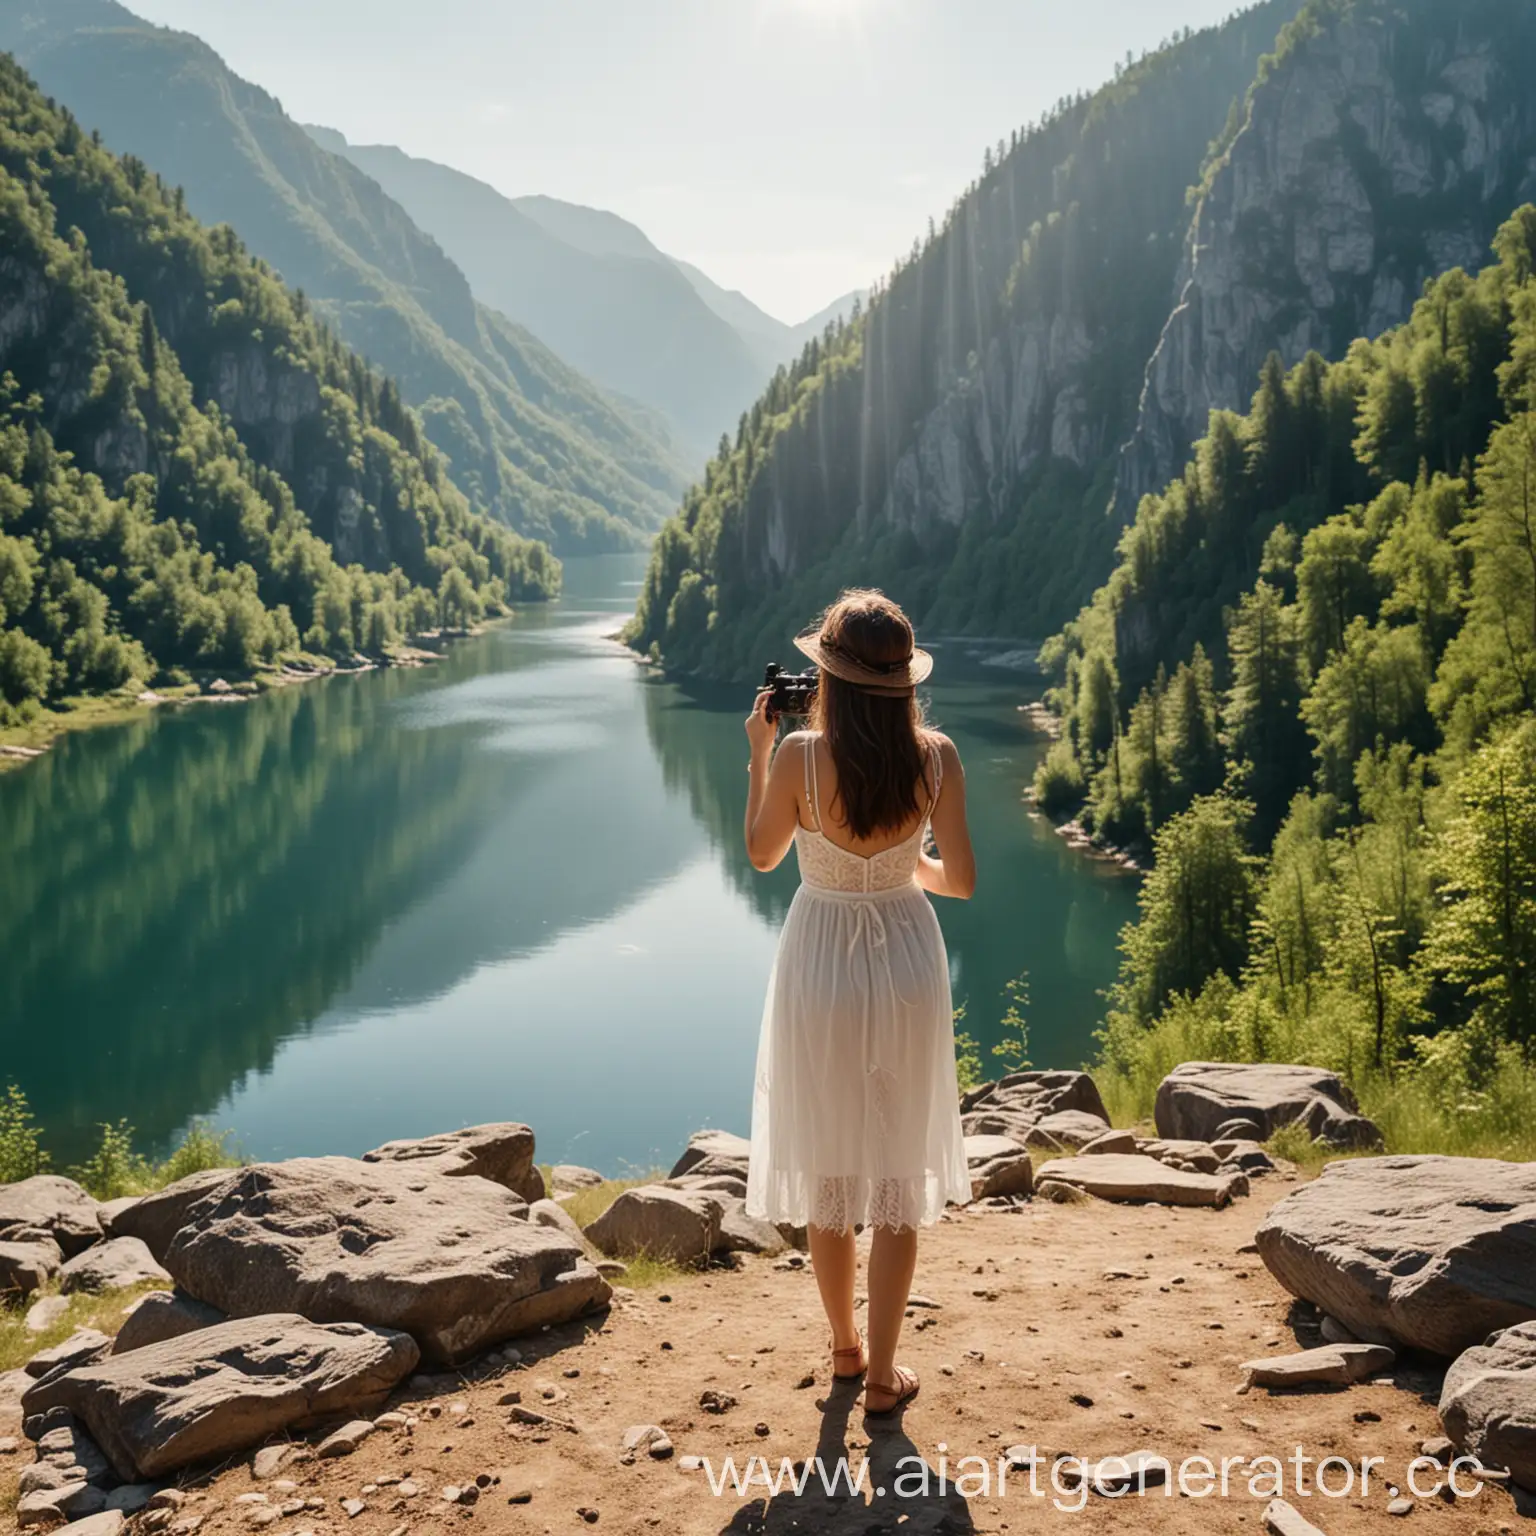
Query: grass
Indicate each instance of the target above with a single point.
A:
(646, 1271)
(104, 1313)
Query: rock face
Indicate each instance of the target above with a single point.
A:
(722, 1150)
(502, 1153)
(80, 1348)
(1432, 1252)
(157, 1218)
(741, 1233)
(1354, 179)
(48, 1203)
(998, 1165)
(111, 1266)
(451, 1261)
(1116, 1176)
(1488, 1402)
(1016, 1104)
(677, 1224)
(193, 1399)
(1212, 1100)
(164, 1315)
(26, 1266)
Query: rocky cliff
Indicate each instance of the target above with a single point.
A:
(1379, 150)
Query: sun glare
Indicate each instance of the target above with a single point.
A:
(828, 11)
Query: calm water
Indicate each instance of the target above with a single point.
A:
(506, 887)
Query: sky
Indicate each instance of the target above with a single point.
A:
(790, 148)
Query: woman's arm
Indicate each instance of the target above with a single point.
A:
(953, 873)
(773, 809)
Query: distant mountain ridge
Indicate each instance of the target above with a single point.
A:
(527, 437)
(596, 289)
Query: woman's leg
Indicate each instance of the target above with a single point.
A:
(892, 1260)
(832, 1257)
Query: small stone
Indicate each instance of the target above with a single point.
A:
(1400, 1507)
(352, 1508)
(805, 1381)
(760, 1430)
(690, 1463)
(43, 1314)
(390, 1421)
(267, 1461)
(9, 1445)
(167, 1498)
(589, 1515)
(650, 1438)
(520, 1496)
(251, 1498)
(1082, 1400)
(1439, 1448)
(345, 1440)
(712, 1401)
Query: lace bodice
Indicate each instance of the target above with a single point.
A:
(826, 866)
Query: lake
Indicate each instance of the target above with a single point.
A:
(509, 886)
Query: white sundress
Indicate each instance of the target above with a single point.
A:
(856, 1111)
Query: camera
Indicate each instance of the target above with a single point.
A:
(793, 692)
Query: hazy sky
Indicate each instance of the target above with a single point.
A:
(791, 148)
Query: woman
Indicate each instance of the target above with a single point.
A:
(856, 1114)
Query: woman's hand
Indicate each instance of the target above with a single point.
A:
(761, 726)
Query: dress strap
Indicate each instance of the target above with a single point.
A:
(812, 791)
(936, 758)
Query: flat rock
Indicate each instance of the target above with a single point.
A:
(1065, 1128)
(451, 1261)
(210, 1394)
(71, 1501)
(742, 1233)
(344, 1441)
(676, 1224)
(1015, 1104)
(1119, 1176)
(49, 1203)
(566, 1178)
(1207, 1100)
(24, 1267)
(1338, 1364)
(998, 1165)
(502, 1153)
(80, 1348)
(1282, 1519)
(129, 1498)
(1191, 1156)
(164, 1315)
(157, 1218)
(1432, 1252)
(108, 1523)
(1488, 1402)
(726, 1151)
(114, 1265)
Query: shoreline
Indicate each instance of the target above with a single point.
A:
(26, 743)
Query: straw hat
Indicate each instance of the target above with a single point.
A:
(895, 680)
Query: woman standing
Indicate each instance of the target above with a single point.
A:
(856, 1113)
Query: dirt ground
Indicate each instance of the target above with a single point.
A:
(1089, 1331)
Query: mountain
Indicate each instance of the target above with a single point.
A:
(959, 445)
(195, 472)
(593, 287)
(526, 436)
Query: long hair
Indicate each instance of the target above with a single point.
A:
(878, 743)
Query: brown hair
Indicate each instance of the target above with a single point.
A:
(879, 744)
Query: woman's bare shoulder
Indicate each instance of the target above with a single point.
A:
(947, 749)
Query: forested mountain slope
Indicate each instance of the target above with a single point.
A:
(194, 471)
(960, 445)
(597, 292)
(1384, 145)
(526, 436)
(956, 444)
(1327, 722)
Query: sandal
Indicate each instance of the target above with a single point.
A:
(906, 1388)
(840, 1354)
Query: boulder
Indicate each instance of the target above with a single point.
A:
(164, 1315)
(45, 1312)
(1488, 1403)
(12, 1385)
(997, 1165)
(741, 1233)
(1191, 1156)
(676, 1224)
(65, 1445)
(729, 1153)
(109, 1210)
(1109, 1141)
(1118, 1176)
(1335, 1364)
(711, 1184)
(502, 1153)
(114, 1265)
(1065, 1128)
(1015, 1104)
(567, 1178)
(451, 1261)
(157, 1218)
(211, 1394)
(1211, 1100)
(72, 1500)
(1432, 1252)
(82, 1347)
(550, 1213)
(50, 1204)
(24, 1267)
